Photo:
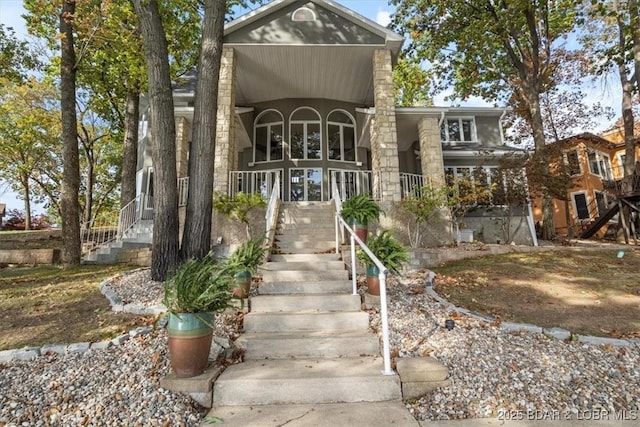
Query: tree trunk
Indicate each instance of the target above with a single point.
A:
(70, 157)
(627, 85)
(88, 195)
(196, 239)
(130, 151)
(531, 94)
(27, 202)
(164, 255)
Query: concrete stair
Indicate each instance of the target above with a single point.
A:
(306, 339)
(138, 237)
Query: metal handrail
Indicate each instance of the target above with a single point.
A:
(271, 214)
(340, 223)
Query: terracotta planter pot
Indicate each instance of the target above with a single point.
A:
(242, 284)
(361, 230)
(373, 282)
(189, 343)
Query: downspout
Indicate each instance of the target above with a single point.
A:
(504, 113)
(442, 119)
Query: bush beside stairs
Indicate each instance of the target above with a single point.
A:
(309, 356)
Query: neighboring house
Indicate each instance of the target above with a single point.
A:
(3, 211)
(306, 94)
(595, 163)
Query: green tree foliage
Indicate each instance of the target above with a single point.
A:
(411, 84)
(29, 138)
(17, 60)
(495, 50)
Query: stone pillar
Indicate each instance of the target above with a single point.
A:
(431, 151)
(226, 156)
(384, 139)
(182, 146)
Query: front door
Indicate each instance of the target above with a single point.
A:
(305, 184)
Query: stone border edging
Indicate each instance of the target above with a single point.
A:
(30, 353)
(556, 333)
(118, 306)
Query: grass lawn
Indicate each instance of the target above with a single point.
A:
(587, 291)
(49, 305)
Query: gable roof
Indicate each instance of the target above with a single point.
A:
(329, 56)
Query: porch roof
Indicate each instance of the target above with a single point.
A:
(330, 57)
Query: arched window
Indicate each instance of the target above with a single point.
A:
(304, 130)
(303, 14)
(341, 140)
(267, 136)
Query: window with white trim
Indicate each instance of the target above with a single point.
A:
(341, 140)
(572, 160)
(458, 129)
(267, 137)
(599, 163)
(305, 134)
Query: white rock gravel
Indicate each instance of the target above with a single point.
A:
(493, 370)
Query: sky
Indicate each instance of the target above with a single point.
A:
(604, 91)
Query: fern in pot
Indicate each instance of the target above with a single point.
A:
(389, 251)
(245, 261)
(193, 293)
(358, 211)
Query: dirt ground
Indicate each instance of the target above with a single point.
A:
(594, 292)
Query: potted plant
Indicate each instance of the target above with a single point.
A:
(245, 261)
(358, 211)
(196, 290)
(389, 251)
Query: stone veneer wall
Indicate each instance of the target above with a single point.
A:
(431, 150)
(384, 139)
(226, 156)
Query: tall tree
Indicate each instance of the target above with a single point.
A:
(29, 135)
(196, 239)
(610, 36)
(71, 249)
(493, 50)
(165, 220)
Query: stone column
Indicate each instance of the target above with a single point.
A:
(431, 151)
(384, 139)
(226, 156)
(182, 146)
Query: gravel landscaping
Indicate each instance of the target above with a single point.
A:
(494, 369)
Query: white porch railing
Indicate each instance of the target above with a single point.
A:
(353, 182)
(261, 182)
(384, 316)
(183, 191)
(411, 183)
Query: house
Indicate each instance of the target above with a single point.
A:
(306, 95)
(595, 164)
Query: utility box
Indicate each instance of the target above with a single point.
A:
(466, 236)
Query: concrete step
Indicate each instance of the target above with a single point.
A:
(302, 265)
(300, 381)
(286, 345)
(305, 257)
(307, 287)
(319, 228)
(307, 238)
(306, 219)
(304, 276)
(389, 413)
(318, 321)
(318, 302)
(316, 244)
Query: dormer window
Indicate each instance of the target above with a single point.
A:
(303, 14)
(458, 129)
